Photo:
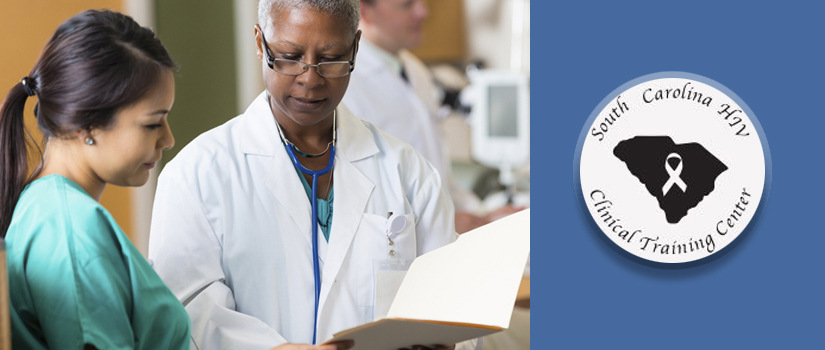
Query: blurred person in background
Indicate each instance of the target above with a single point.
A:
(395, 91)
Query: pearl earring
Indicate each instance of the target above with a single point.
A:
(89, 140)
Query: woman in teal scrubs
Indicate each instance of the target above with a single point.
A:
(104, 86)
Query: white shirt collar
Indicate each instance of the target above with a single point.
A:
(392, 61)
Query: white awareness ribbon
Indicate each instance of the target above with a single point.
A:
(674, 178)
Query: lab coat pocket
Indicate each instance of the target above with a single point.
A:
(382, 240)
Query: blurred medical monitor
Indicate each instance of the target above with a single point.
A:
(500, 118)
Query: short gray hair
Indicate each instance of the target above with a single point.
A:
(348, 10)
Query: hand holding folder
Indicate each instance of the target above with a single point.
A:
(478, 277)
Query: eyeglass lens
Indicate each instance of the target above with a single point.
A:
(325, 69)
(292, 67)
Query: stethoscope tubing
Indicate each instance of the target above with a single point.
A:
(314, 200)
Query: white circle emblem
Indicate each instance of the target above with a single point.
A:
(672, 169)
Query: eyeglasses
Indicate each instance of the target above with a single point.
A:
(334, 69)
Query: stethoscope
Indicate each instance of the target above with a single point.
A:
(291, 149)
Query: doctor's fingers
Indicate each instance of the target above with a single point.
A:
(342, 345)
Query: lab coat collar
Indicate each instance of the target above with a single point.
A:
(355, 140)
(258, 126)
(352, 192)
(353, 189)
(258, 136)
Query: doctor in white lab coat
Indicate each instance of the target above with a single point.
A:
(231, 227)
(395, 91)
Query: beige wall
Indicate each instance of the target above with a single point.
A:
(444, 37)
(25, 27)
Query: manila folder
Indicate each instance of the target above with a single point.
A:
(461, 291)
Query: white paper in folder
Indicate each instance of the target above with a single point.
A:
(457, 292)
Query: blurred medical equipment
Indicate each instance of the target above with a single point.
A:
(500, 121)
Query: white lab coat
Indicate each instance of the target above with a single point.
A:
(408, 111)
(231, 230)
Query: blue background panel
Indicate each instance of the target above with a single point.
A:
(765, 291)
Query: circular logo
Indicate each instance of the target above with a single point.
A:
(672, 167)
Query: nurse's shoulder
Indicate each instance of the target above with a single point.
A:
(56, 201)
(56, 219)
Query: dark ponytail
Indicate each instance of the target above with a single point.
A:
(13, 155)
(95, 64)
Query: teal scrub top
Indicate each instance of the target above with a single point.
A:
(324, 206)
(76, 279)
